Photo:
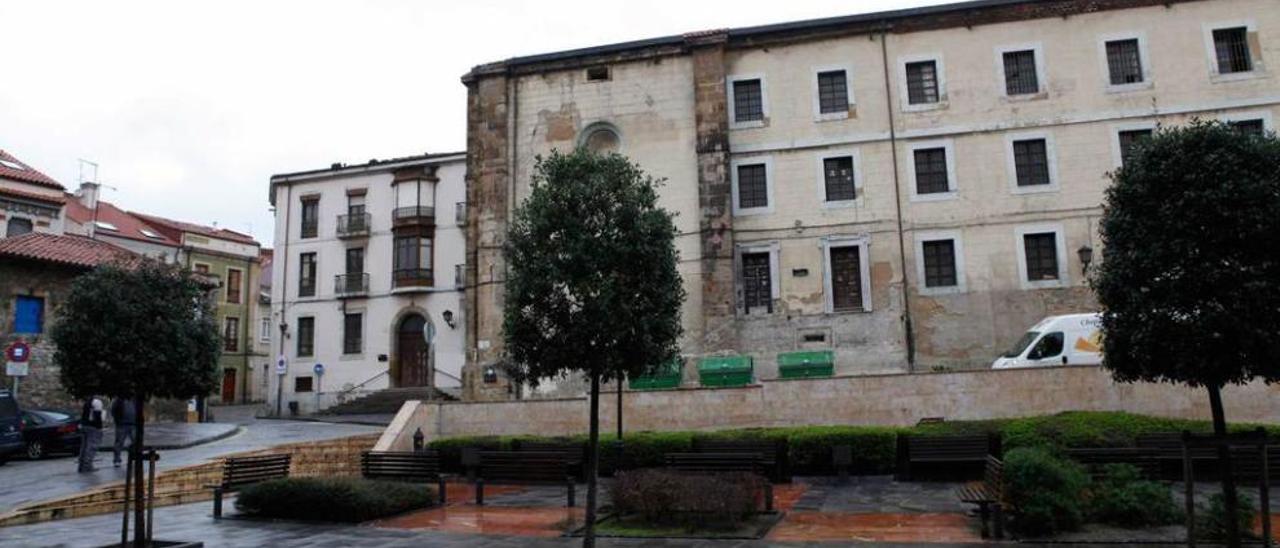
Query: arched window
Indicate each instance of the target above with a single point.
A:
(600, 137)
(17, 226)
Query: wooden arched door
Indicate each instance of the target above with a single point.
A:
(412, 352)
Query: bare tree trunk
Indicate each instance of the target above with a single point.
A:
(1224, 466)
(139, 509)
(593, 463)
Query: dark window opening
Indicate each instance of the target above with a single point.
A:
(931, 171)
(939, 263)
(234, 281)
(1124, 62)
(846, 278)
(1020, 72)
(1232, 49)
(1041, 252)
(302, 384)
(753, 186)
(838, 178)
(307, 275)
(833, 92)
(597, 74)
(1031, 162)
(231, 334)
(412, 259)
(922, 82)
(757, 280)
(352, 333)
(1249, 127)
(18, 226)
(310, 217)
(815, 337)
(1130, 139)
(748, 101)
(355, 260)
(306, 337)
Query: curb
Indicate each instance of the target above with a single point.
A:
(311, 419)
(184, 445)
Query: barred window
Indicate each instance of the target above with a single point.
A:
(1041, 252)
(352, 333)
(846, 278)
(922, 82)
(748, 101)
(838, 178)
(931, 171)
(939, 263)
(1232, 48)
(757, 280)
(753, 186)
(1020, 72)
(1031, 161)
(231, 334)
(1249, 127)
(1124, 62)
(1127, 141)
(833, 92)
(306, 337)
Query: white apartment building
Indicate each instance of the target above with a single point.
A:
(366, 288)
(910, 189)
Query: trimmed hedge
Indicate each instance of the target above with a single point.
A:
(344, 500)
(874, 448)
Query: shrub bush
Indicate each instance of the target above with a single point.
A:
(665, 498)
(1044, 491)
(874, 448)
(1211, 521)
(1123, 498)
(347, 500)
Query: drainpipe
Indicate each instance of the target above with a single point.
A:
(283, 248)
(244, 331)
(897, 201)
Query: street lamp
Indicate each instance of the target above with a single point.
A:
(1086, 256)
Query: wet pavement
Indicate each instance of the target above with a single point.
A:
(176, 435)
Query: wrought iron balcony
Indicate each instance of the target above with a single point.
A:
(414, 216)
(351, 285)
(412, 277)
(354, 226)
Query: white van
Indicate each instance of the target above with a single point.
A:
(1073, 339)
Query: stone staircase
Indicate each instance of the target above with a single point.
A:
(388, 401)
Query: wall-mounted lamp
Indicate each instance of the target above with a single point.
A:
(1086, 256)
(490, 375)
(448, 319)
(284, 330)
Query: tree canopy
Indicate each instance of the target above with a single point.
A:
(1189, 280)
(592, 284)
(143, 330)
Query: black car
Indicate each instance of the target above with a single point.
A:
(47, 432)
(10, 426)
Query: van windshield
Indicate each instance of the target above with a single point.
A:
(1022, 344)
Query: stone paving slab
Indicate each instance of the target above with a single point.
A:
(176, 435)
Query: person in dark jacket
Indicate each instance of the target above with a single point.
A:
(91, 415)
(123, 417)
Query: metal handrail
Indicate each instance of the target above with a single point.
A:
(413, 211)
(351, 224)
(351, 283)
(403, 276)
(345, 391)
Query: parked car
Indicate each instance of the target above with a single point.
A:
(47, 432)
(1073, 339)
(10, 426)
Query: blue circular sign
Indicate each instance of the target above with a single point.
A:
(319, 369)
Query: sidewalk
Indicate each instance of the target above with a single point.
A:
(175, 435)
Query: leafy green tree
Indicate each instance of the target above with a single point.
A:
(143, 330)
(1189, 281)
(592, 286)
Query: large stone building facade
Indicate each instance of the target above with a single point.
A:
(910, 189)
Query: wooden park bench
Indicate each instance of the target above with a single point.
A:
(988, 496)
(1167, 448)
(949, 451)
(720, 463)
(1096, 459)
(575, 453)
(404, 466)
(774, 453)
(241, 472)
(523, 468)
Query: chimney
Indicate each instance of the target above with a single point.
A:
(88, 194)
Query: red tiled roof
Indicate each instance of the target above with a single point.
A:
(67, 250)
(180, 226)
(27, 174)
(46, 198)
(127, 225)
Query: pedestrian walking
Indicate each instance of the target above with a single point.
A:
(91, 432)
(124, 417)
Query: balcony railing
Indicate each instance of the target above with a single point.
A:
(351, 285)
(310, 228)
(413, 215)
(412, 277)
(354, 226)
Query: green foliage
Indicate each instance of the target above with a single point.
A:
(1123, 498)
(874, 448)
(592, 284)
(346, 500)
(1189, 280)
(1211, 521)
(664, 497)
(146, 330)
(1044, 491)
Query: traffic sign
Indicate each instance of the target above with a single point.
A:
(18, 351)
(319, 369)
(17, 369)
(280, 367)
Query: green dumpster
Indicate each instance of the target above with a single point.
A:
(725, 371)
(806, 365)
(667, 376)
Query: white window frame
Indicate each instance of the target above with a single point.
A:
(733, 108)
(1258, 70)
(1042, 83)
(1143, 58)
(822, 178)
(818, 116)
(768, 181)
(1243, 116)
(952, 185)
(775, 281)
(863, 243)
(1063, 270)
(1116, 129)
(1011, 166)
(957, 248)
(264, 329)
(904, 94)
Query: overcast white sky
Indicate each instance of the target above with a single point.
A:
(189, 107)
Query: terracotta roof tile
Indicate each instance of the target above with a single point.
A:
(127, 225)
(68, 250)
(22, 194)
(181, 226)
(24, 172)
